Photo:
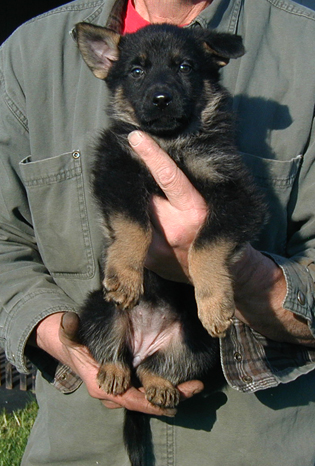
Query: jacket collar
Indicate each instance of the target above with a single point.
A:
(220, 14)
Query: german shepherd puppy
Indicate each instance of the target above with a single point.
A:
(164, 80)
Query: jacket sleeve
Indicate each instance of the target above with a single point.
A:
(251, 361)
(299, 269)
(27, 292)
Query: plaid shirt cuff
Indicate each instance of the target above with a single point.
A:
(65, 380)
(252, 362)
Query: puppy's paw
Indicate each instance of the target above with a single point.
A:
(114, 379)
(165, 397)
(216, 314)
(124, 287)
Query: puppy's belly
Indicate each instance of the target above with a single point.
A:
(153, 330)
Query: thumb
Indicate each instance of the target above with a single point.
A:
(173, 182)
(69, 328)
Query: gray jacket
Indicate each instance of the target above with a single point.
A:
(51, 242)
(52, 108)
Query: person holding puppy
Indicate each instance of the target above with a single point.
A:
(51, 242)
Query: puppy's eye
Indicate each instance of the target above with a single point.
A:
(137, 72)
(185, 67)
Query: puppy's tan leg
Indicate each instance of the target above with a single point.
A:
(123, 280)
(114, 378)
(208, 268)
(158, 391)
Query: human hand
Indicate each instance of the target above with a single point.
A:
(57, 335)
(176, 220)
(259, 283)
(260, 289)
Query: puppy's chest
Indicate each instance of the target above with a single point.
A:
(191, 158)
(190, 152)
(151, 331)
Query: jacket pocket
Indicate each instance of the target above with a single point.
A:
(55, 189)
(276, 179)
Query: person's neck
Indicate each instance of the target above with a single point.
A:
(170, 11)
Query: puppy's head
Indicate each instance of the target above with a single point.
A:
(158, 75)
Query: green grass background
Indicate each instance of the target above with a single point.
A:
(15, 428)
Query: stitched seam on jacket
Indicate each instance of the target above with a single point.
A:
(14, 109)
(65, 8)
(293, 8)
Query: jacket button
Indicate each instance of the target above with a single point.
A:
(238, 356)
(301, 298)
(247, 379)
(76, 154)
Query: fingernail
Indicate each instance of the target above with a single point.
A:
(197, 391)
(61, 321)
(170, 412)
(135, 138)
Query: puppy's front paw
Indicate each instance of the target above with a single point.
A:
(114, 379)
(215, 314)
(124, 287)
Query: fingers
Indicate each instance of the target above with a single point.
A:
(189, 389)
(176, 186)
(135, 400)
(83, 364)
(111, 404)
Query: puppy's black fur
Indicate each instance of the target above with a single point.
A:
(164, 80)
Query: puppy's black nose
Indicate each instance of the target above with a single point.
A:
(162, 99)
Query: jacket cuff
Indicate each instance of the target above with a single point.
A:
(300, 297)
(26, 315)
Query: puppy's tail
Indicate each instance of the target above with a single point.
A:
(137, 437)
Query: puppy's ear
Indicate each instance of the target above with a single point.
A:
(223, 46)
(98, 46)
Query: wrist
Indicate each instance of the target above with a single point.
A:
(257, 277)
(46, 336)
(260, 290)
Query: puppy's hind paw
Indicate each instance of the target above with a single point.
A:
(114, 379)
(166, 397)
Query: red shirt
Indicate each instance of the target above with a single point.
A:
(133, 21)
